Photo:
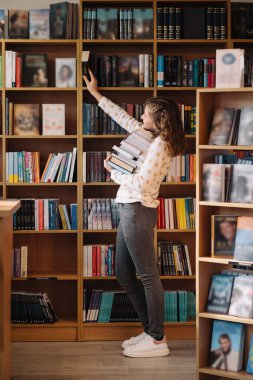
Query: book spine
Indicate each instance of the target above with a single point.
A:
(159, 23)
(160, 71)
(223, 23)
(165, 24)
(178, 23)
(146, 70)
(141, 70)
(171, 23)
(210, 23)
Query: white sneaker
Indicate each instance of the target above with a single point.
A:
(134, 340)
(147, 348)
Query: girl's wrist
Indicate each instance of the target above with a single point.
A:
(97, 95)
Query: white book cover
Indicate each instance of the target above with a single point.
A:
(39, 24)
(89, 261)
(46, 215)
(146, 70)
(51, 167)
(8, 68)
(56, 166)
(68, 167)
(229, 68)
(13, 66)
(23, 260)
(123, 152)
(53, 119)
(103, 249)
(129, 148)
(72, 167)
(188, 260)
(85, 261)
(65, 72)
(36, 214)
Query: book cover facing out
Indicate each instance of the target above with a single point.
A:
(143, 23)
(223, 235)
(245, 133)
(229, 68)
(242, 297)
(18, 23)
(35, 70)
(242, 184)
(39, 24)
(220, 294)
(221, 126)
(212, 182)
(58, 20)
(250, 357)
(26, 119)
(227, 346)
(128, 71)
(244, 239)
(107, 22)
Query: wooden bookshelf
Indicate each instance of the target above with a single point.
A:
(206, 265)
(67, 290)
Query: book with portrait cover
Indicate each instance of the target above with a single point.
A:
(26, 119)
(53, 119)
(222, 126)
(226, 350)
(143, 23)
(107, 23)
(229, 68)
(245, 129)
(128, 71)
(65, 72)
(58, 20)
(241, 186)
(223, 229)
(39, 24)
(213, 182)
(244, 239)
(220, 293)
(250, 357)
(34, 68)
(18, 23)
(241, 304)
(2, 23)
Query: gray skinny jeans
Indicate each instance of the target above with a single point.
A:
(135, 253)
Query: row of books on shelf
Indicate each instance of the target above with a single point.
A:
(120, 71)
(97, 122)
(191, 23)
(174, 71)
(105, 306)
(98, 260)
(231, 236)
(228, 182)
(231, 126)
(182, 169)
(31, 70)
(34, 308)
(33, 119)
(19, 262)
(118, 23)
(173, 259)
(59, 21)
(100, 214)
(176, 213)
(24, 167)
(45, 214)
(93, 167)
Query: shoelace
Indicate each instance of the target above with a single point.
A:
(142, 342)
(138, 338)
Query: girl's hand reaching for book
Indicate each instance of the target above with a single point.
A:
(92, 85)
(106, 166)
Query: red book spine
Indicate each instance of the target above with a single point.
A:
(41, 214)
(94, 261)
(98, 260)
(209, 72)
(130, 109)
(162, 214)
(18, 71)
(158, 214)
(212, 72)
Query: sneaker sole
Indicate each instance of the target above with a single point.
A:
(150, 354)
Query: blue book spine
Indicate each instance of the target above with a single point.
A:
(109, 262)
(195, 73)
(51, 220)
(250, 357)
(73, 212)
(205, 72)
(160, 70)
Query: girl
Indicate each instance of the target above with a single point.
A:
(137, 202)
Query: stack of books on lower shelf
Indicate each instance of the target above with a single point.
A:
(125, 157)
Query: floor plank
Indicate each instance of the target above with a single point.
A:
(99, 361)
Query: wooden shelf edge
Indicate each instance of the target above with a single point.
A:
(225, 317)
(226, 204)
(45, 231)
(241, 375)
(124, 324)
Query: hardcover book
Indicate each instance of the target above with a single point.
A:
(213, 182)
(35, 70)
(250, 357)
(39, 24)
(220, 294)
(18, 23)
(65, 72)
(223, 235)
(128, 71)
(242, 297)
(222, 124)
(242, 15)
(26, 119)
(227, 346)
(2, 23)
(242, 184)
(53, 119)
(229, 68)
(244, 239)
(245, 135)
(58, 20)
(143, 23)
(107, 23)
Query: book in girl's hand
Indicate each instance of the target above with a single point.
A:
(39, 24)
(26, 119)
(223, 235)
(226, 350)
(18, 23)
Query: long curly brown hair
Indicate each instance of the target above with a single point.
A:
(167, 119)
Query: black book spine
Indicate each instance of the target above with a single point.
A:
(96, 120)
(130, 24)
(88, 28)
(174, 70)
(190, 73)
(223, 23)
(159, 23)
(209, 23)
(165, 23)
(201, 73)
(151, 70)
(167, 71)
(88, 167)
(125, 24)
(216, 20)
(171, 23)
(114, 71)
(121, 23)
(178, 23)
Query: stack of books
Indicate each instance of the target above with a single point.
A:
(31, 308)
(173, 259)
(98, 260)
(125, 156)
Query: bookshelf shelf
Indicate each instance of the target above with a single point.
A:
(99, 231)
(46, 137)
(176, 231)
(192, 41)
(45, 232)
(60, 89)
(177, 88)
(116, 324)
(123, 89)
(62, 322)
(226, 204)
(41, 42)
(118, 41)
(242, 375)
(49, 276)
(86, 137)
(43, 184)
(100, 184)
(230, 318)
(214, 260)
(107, 278)
(226, 147)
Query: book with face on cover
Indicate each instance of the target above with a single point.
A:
(26, 119)
(222, 126)
(220, 293)
(65, 72)
(229, 68)
(18, 23)
(226, 350)
(213, 182)
(241, 304)
(128, 71)
(53, 119)
(107, 23)
(223, 235)
(58, 20)
(35, 70)
(39, 24)
(143, 23)
(241, 190)
(244, 239)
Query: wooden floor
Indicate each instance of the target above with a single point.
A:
(99, 361)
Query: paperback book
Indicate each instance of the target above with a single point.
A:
(242, 297)
(244, 239)
(223, 235)
(65, 72)
(39, 24)
(220, 294)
